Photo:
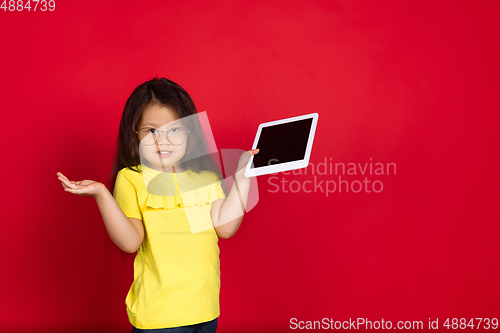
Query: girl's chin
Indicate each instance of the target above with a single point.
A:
(160, 161)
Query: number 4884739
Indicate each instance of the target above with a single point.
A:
(462, 323)
(19, 5)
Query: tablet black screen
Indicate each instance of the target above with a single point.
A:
(282, 143)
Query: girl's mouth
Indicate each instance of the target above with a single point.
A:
(164, 153)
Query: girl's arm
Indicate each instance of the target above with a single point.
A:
(227, 214)
(126, 233)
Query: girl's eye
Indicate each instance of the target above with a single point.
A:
(151, 130)
(175, 128)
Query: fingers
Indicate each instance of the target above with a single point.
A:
(250, 153)
(62, 177)
(66, 183)
(71, 186)
(75, 191)
(245, 157)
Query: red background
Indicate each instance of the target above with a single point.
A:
(413, 83)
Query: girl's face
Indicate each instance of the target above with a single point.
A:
(161, 155)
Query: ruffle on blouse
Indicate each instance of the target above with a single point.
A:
(170, 200)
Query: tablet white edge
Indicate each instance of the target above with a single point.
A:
(272, 169)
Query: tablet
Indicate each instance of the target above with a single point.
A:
(284, 145)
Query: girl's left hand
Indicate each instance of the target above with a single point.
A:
(245, 157)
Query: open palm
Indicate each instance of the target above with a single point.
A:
(82, 187)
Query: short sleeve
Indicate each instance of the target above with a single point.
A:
(218, 189)
(126, 196)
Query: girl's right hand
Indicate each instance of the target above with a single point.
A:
(82, 187)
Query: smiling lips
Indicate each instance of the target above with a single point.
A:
(164, 152)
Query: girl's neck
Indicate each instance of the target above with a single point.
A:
(173, 169)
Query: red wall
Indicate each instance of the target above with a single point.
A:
(414, 83)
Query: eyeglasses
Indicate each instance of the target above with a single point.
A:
(175, 136)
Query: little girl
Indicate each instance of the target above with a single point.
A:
(176, 272)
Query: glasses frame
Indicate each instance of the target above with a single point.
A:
(159, 136)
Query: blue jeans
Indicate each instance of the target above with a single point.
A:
(207, 327)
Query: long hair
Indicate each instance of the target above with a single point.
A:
(164, 92)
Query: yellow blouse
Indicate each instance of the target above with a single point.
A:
(176, 269)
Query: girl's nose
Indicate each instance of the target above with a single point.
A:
(163, 138)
